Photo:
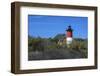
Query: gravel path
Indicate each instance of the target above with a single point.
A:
(55, 54)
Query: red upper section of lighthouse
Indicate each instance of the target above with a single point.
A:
(69, 34)
(69, 31)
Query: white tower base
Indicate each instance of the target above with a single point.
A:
(69, 40)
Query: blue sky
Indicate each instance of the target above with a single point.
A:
(46, 26)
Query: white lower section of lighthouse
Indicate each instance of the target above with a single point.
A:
(69, 40)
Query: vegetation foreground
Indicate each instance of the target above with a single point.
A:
(50, 48)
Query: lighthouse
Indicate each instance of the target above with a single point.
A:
(69, 35)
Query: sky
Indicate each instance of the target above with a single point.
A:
(47, 26)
